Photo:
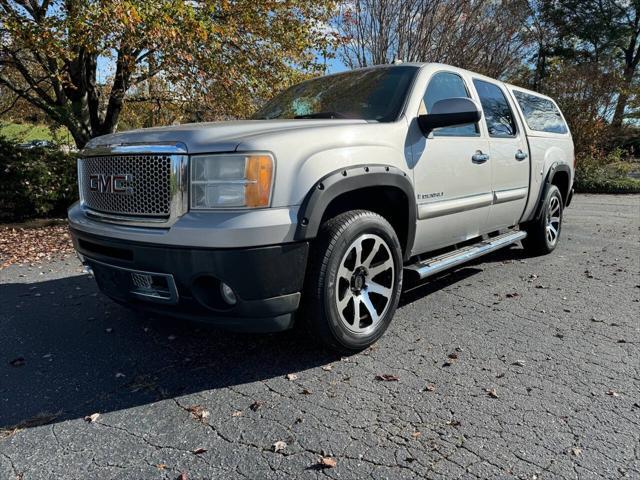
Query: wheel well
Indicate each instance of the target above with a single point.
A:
(389, 202)
(561, 180)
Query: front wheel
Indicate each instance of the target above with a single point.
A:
(354, 281)
(543, 234)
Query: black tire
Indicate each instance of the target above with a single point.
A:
(333, 255)
(539, 240)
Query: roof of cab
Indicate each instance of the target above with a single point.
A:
(510, 86)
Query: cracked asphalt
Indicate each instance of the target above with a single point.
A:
(512, 367)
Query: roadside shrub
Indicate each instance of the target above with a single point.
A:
(35, 183)
(610, 173)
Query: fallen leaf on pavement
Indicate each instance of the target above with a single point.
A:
(613, 393)
(576, 451)
(453, 356)
(279, 446)
(198, 412)
(161, 466)
(92, 418)
(327, 368)
(199, 451)
(306, 391)
(416, 434)
(256, 405)
(429, 388)
(386, 377)
(327, 462)
(292, 376)
(491, 392)
(237, 413)
(34, 244)
(17, 362)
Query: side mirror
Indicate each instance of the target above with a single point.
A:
(449, 112)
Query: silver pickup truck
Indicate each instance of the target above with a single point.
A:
(318, 207)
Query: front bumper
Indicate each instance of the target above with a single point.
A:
(267, 281)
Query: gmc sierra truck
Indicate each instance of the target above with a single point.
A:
(318, 207)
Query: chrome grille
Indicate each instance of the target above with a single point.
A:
(148, 185)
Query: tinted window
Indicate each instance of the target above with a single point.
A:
(497, 112)
(541, 114)
(370, 94)
(448, 85)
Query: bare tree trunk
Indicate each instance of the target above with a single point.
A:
(623, 98)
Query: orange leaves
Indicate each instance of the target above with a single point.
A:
(33, 245)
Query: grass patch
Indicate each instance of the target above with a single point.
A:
(26, 132)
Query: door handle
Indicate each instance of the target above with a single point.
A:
(520, 155)
(479, 157)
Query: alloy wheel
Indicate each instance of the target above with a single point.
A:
(553, 220)
(364, 283)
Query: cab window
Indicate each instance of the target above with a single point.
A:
(448, 85)
(497, 112)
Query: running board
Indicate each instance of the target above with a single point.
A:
(431, 266)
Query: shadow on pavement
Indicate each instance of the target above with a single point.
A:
(67, 351)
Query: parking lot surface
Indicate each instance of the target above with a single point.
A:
(510, 367)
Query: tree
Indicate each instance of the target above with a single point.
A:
(595, 30)
(481, 35)
(229, 52)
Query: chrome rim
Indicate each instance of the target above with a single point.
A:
(553, 220)
(364, 283)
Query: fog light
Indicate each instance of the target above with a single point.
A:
(227, 294)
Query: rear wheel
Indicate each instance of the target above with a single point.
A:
(543, 234)
(354, 281)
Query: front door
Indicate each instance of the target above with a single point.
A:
(509, 156)
(452, 176)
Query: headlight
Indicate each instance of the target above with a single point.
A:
(231, 181)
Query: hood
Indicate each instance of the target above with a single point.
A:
(214, 136)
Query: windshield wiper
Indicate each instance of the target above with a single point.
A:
(322, 115)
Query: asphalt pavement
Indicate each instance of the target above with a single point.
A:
(512, 367)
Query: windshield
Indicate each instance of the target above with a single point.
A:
(371, 94)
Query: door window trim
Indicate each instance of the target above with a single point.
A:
(506, 96)
(478, 133)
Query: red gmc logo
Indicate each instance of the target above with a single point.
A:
(110, 183)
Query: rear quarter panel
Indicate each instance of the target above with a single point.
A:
(545, 152)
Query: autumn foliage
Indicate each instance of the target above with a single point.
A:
(216, 56)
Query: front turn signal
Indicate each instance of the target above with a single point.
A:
(259, 175)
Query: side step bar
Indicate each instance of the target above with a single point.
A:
(431, 266)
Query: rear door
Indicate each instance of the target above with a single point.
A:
(509, 155)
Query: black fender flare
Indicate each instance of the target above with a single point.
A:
(555, 168)
(350, 179)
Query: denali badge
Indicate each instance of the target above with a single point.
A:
(102, 183)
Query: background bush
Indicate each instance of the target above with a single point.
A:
(35, 183)
(610, 173)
